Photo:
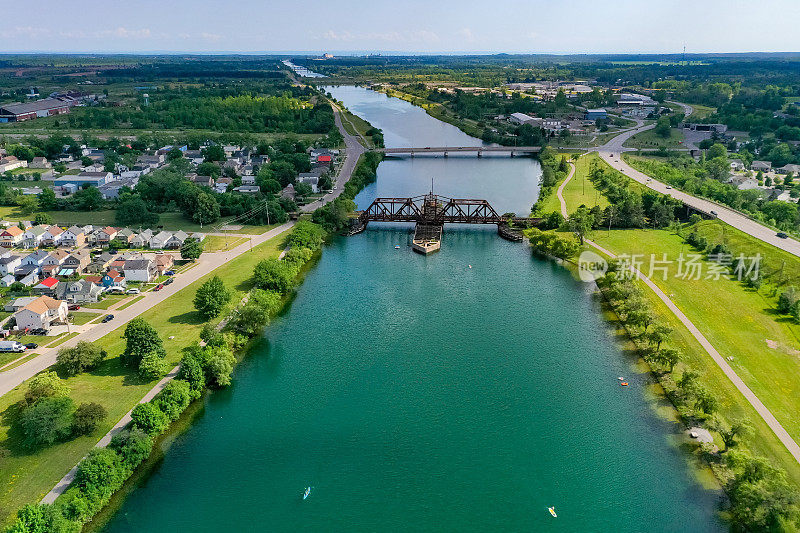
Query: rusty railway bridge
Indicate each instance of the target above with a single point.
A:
(431, 211)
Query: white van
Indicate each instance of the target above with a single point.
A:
(11, 346)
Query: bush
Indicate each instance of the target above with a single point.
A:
(218, 366)
(80, 358)
(41, 518)
(87, 417)
(140, 339)
(192, 372)
(100, 474)
(152, 366)
(787, 301)
(174, 399)
(255, 314)
(149, 418)
(274, 275)
(47, 421)
(306, 234)
(133, 446)
(45, 385)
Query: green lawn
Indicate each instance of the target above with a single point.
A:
(700, 112)
(650, 139)
(740, 323)
(80, 318)
(579, 191)
(106, 302)
(216, 243)
(26, 476)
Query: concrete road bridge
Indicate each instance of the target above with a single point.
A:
(447, 150)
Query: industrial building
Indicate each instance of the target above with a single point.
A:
(47, 107)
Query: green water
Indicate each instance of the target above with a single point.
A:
(421, 394)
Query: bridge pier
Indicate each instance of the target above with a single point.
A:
(512, 153)
(480, 153)
(445, 154)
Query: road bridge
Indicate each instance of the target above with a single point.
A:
(447, 150)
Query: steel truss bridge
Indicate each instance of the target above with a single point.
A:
(435, 210)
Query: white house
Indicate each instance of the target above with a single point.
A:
(41, 313)
(73, 236)
(7, 280)
(52, 237)
(159, 241)
(33, 236)
(9, 264)
(176, 240)
(139, 270)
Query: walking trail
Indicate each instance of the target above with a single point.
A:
(760, 408)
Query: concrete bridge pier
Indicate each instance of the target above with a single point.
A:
(445, 154)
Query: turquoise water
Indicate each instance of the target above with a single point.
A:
(465, 391)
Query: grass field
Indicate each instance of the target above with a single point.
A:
(80, 318)
(650, 139)
(106, 302)
(26, 476)
(579, 191)
(736, 320)
(216, 243)
(700, 112)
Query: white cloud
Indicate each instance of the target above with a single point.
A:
(25, 31)
(466, 34)
(211, 37)
(125, 33)
(418, 36)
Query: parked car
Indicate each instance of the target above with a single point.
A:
(669, 186)
(107, 318)
(169, 273)
(132, 291)
(73, 307)
(168, 281)
(116, 290)
(713, 213)
(38, 331)
(31, 346)
(159, 287)
(782, 235)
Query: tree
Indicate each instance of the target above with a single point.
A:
(192, 372)
(219, 361)
(192, 249)
(303, 189)
(731, 434)
(133, 211)
(208, 169)
(132, 445)
(174, 154)
(174, 399)
(659, 334)
(47, 199)
(28, 204)
(152, 366)
(87, 417)
(149, 418)
(211, 298)
(688, 382)
(580, 222)
(206, 209)
(214, 153)
(668, 357)
(706, 402)
(140, 339)
(787, 301)
(560, 99)
(663, 128)
(717, 150)
(45, 385)
(47, 421)
(43, 219)
(274, 275)
(100, 473)
(80, 358)
(41, 518)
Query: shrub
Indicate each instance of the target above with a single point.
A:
(152, 366)
(87, 417)
(274, 275)
(133, 446)
(174, 399)
(306, 234)
(192, 372)
(47, 421)
(45, 385)
(218, 366)
(149, 418)
(41, 518)
(83, 356)
(100, 474)
(787, 301)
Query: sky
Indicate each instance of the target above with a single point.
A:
(410, 26)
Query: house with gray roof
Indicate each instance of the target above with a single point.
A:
(78, 292)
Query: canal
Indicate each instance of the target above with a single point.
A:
(465, 391)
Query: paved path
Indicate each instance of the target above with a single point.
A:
(206, 264)
(760, 408)
(354, 149)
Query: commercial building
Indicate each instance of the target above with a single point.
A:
(46, 107)
(595, 114)
(95, 179)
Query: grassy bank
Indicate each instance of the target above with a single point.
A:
(27, 475)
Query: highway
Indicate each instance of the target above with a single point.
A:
(611, 154)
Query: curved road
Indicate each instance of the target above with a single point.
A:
(740, 385)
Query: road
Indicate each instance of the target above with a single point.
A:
(610, 153)
(353, 152)
(207, 263)
(740, 385)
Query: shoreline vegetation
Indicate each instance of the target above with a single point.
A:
(204, 366)
(760, 496)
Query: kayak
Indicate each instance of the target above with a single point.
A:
(307, 492)
(552, 511)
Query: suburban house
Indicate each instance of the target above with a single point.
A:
(142, 239)
(35, 258)
(11, 236)
(73, 236)
(31, 279)
(33, 237)
(78, 292)
(39, 162)
(7, 280)
(125, 235)
(164, 262)
(159, 241)
(763, 166)
(100, 263)
(176, 240)
(105, 235)
(76, 262)
(113, 279)
(46, 287)
(785, 169)
(9, 264)
(52, 263)
(15, 305)
(52, 237)
(41, 313)
(139, 270)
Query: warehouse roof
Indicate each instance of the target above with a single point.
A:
(32, 107)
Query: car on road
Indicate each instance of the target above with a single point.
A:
(782, 235)
(713, 213)
(74, 307)
(159, 287)
(31, 346)
(107, 318)
(168, 281)
(669, 186)
(132, 291)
